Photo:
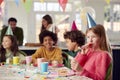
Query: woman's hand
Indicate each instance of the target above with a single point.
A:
(75, 65)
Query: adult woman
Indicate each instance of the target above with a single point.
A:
(47, 24)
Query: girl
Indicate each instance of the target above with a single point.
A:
(9, 48)
(48, 51)
(94, 59)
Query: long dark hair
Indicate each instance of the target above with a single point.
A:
(14, 47)
(48, 19)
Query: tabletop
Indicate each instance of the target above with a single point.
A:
(25, 72)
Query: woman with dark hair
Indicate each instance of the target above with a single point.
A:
(9, 48)
(47, 24)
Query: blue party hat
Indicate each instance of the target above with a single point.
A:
(90, 22)
(9, 31)
(74, 27)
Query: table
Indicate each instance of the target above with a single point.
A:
(23, 72)
(115, 56)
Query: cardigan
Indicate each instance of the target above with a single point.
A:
(94, 64)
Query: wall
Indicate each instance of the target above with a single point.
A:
(98, 6)
(25, 20)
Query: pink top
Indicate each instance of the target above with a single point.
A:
(94, 64)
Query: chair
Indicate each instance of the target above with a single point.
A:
(23, 53)
(109, 72)
(66, 59)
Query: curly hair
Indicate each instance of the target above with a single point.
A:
(48, 33)
(75, 36)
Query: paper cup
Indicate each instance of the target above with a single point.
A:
(39, 60)
(28, 60)
(44, 67)
(16, 60)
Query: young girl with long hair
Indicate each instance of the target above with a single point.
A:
(9, 48)
(94, 59)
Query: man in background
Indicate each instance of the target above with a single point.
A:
(17, 31)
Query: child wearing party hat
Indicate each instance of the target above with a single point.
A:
(74, 40)
(94, 60)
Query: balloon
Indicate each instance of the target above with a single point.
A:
(84, 12)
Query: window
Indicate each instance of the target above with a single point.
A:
(2, 13)
(112, 22)
(39, 6)
(60, 19)
(53, 7)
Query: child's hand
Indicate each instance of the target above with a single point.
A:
(88, 45)
(55, 63)
(44, 60)
(23, 62)
(85, 48)
(2, 63)
(75, 65)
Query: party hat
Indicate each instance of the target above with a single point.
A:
(74, 27)
(91, 23)
(9, 31)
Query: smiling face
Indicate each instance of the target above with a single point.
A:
(48, 42)
(44, 23)
(7, 43)
(93, 39)
(71, 45)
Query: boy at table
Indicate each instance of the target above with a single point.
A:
(50, 53)
(74, 40)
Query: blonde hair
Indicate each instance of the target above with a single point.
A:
(100, 31)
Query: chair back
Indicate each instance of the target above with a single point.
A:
(66, 59)
(23, 53)
(109, 73)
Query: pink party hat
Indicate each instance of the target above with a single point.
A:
(74, 27)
